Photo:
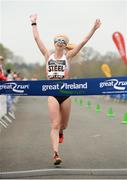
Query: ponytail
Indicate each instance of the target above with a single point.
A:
(70, 46)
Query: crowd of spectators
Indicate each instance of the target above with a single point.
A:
(8, 75)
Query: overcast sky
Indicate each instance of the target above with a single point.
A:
(71, 17)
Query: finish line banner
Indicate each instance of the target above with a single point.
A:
(72, 87)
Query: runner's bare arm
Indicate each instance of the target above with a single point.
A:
(76, 50)
(36, 35)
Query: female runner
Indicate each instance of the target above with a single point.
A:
(57, 67)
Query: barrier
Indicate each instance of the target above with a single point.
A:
(3, 111)
(119, 97)
(6, 116)
(3, 106)
(89, 86)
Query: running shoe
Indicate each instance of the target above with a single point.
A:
(61, 137)
(57, 160)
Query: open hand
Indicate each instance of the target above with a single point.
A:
(97, 24)
(33, 18)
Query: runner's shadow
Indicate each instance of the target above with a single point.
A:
(58, 166)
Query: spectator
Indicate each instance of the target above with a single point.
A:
(2, 76)
(9, 74)
(10, 98)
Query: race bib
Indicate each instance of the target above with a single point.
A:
(56, 68)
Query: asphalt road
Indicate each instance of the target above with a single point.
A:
(95, 145)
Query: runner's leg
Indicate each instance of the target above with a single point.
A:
(65, 109)
(54, 113)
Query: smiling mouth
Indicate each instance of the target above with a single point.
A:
(60, 45)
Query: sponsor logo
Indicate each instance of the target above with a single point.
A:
(18, 88)
(115, 83)
(64, 86)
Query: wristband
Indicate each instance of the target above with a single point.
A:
(33, 24)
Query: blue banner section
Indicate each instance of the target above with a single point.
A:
(72, 87)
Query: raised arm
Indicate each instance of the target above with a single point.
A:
(75, 51)
(40, 44)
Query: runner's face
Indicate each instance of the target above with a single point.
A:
(59, 42)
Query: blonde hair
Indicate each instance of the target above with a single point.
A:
(70, 46)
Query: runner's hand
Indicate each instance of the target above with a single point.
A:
(97, 24)
(33, 18)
